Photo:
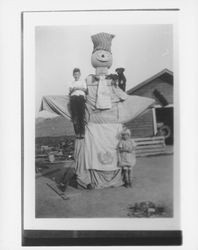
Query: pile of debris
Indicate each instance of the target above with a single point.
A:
(55, 149)
(146, 209)
(68, 149)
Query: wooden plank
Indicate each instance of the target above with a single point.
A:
(141, 141)
(150, 138)
(148, 151)
(151, 150)
(57, 191)
(149, 154)
(149, 143)
(149, 146)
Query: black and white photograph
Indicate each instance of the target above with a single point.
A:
(100, 134)
(104, 122)
(98, 124)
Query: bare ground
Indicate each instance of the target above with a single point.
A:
(153, 182)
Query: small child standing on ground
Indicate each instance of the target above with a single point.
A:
(77, 93)
(126, 156)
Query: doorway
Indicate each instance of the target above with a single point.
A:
(164, 118)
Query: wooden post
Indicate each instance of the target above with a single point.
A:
(154, 121)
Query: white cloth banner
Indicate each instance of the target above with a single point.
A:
(101, 142)
(103, 99)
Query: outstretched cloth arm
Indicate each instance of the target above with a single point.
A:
(56, 104)
(120, 112)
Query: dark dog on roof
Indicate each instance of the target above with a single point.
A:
(121, 78)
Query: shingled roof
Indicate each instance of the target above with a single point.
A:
(165, 74)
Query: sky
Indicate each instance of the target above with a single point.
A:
(143, 50)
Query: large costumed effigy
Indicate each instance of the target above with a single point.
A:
(107, 109)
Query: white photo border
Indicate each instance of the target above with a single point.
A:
(29, 21)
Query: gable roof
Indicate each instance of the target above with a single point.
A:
(165, 74)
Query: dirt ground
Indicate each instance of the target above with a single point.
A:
(153, 182)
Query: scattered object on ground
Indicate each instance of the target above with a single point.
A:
(57, 191)
(51, 157)
(61, 147)
(153, 181)
(146, 209)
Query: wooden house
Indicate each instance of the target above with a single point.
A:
(158, 119)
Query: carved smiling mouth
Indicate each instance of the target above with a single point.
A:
(102, 58)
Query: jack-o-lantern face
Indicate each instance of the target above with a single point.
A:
(101, 58)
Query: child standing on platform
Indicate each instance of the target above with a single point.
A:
(126, 156)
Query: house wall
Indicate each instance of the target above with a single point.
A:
(142, 126)
(165, 88)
